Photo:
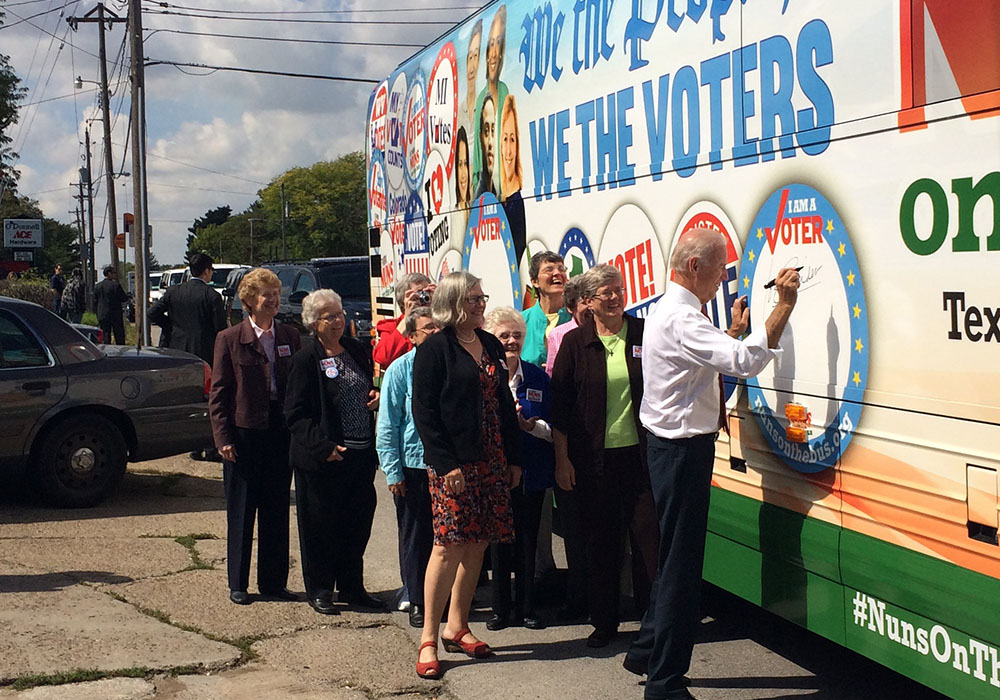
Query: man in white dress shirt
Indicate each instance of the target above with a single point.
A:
(683, 356)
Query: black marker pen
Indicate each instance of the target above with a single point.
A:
(771, 283)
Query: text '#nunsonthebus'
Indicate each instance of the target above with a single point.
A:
(857, 493)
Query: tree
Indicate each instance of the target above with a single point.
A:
(61, 240)
(213, 217)
(11, 93)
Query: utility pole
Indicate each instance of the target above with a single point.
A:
(251, 220)
(104, 19)
(284, 250)
(139, 196)
(90, 211)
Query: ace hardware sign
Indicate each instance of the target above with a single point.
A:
(23, 233)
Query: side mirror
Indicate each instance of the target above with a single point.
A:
(297, 297)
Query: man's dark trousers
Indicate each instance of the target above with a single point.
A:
(257, 486)
(415, 526)
(681, 474)
(114, 330)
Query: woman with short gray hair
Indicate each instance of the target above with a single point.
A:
(410, 291)
(329, 407)
(466, 420)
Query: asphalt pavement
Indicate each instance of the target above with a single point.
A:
(129, 600)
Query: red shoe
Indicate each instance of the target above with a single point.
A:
(477, 649)
(431, 670)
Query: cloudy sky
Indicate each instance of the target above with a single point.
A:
(214, 138)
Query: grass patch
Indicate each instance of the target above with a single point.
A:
(77, 675)
(189, 541)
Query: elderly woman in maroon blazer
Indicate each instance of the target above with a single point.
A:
(249, 374)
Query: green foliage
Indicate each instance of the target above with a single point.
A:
(28, 289)
(11, 94)
(212, 217)
(61, 240)
(327, 216)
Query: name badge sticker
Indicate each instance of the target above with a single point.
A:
(637, 351)
(535, 395)
(504, 365)
(284, 351)
(329, 367)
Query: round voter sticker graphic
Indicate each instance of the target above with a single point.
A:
(720, 309)
(808, 403)
(488, 252)
(395, 133)
(376, 119)
(416, 133)
(451, 261)
(442, 106)
(376, 192)
(631, 245)
(576, 252)
(437, 199)
(415, 254)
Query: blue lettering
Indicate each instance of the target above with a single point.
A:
(696, 8)
(744, 149)
(685, 91)
(713, 72)
(607, 149)
(539, 46)
(592, 34)
(656, 122)
(673, 19)
(562, 153)
(776, 65)
(813, 49)
(638, 31)
(542, 144)
(626, 170)
(585, 115)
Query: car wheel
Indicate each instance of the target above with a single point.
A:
(80, 461)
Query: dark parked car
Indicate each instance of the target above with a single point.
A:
(234, 307)
(349, 277)
(73, 413)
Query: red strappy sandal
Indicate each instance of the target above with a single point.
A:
(431, 670)
(476, 650)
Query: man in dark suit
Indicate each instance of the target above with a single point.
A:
(193, 311)
(108, 299)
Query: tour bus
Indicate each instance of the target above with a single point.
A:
(856, 493)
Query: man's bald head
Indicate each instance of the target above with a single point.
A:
(700, 243)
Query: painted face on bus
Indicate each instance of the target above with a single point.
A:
(508, 146)
(472, 61)
(494, 49)
(462, 166)
(488, 134)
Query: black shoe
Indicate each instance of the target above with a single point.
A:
(239, 597)
(280, 594)
(323, 605)
(533, 623)
(416, 613)
(363, 600)
(636, 665)
(498, 622)
(601, 638)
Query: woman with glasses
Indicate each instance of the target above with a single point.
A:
(600, 447)
(329, 407)
(529, 385)
(466, 419)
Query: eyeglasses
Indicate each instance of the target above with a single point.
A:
(478, 299)
(330, 318)
(507, 335)
(611, 294)
(428, 329)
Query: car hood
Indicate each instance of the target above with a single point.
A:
(145, 352)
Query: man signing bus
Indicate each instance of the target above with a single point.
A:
(683, 355)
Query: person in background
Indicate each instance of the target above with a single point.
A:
(466, 419)
(411, 290)
(548, 276)
(329, 408)
(249, 376)
(600, 447)
(578, 310)
(683, 409)
(511, 176)
(194, 311)
(401, 455)
(74, 298)
(487, 147)
(472, 73)
(463, 183)
(58, 284)
(529, 385)
(108, 299)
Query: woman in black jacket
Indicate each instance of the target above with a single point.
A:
(466, 419)
(328, 406)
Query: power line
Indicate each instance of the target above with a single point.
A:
(313, 12)
(154, 183)
(37, 14)
(289, 40)
(259, 71)
(427, 22)
(63, 39)
(207, 170)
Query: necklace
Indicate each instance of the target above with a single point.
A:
(470, 340)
